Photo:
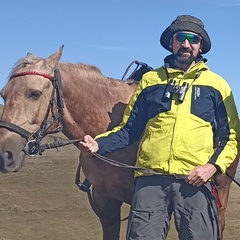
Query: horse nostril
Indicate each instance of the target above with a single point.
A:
(8, 158)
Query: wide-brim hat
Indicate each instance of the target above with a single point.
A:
(186, 23)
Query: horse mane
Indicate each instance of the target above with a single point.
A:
(89, 72)
(81, 68)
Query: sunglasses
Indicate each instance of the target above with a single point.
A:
(192, 38)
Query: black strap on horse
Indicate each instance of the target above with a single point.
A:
(12, 127)
(57, 84)
(85, 185)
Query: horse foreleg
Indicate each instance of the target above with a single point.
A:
(109, 212)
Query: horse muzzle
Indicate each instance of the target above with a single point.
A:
(9, 163)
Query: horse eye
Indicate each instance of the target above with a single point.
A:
(34, 95)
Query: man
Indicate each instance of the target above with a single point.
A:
(177, 110)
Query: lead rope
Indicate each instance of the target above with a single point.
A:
(139, 169)
(233, 179)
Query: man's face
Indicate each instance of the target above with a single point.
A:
(186, 46)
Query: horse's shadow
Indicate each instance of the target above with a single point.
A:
(116, 115)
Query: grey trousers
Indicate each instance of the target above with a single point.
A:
(156, 198)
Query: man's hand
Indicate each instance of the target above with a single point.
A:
(89, 144)
(201, 174)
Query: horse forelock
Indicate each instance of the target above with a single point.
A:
(18, 65)
(30, 58)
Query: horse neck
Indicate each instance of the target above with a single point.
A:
(93, 103)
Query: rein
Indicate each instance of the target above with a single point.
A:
(138, 169)
(33, 146)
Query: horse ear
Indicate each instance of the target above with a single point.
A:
(55, 58)
(28, 54)
(61, 48)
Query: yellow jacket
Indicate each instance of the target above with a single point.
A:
(178, 136)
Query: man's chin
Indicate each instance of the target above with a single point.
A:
(187, 58)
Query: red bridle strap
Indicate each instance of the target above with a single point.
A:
(31, 73)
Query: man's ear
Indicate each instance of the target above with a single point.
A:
(170, 43)
(200, 50)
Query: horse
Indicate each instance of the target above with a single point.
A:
(45, 96)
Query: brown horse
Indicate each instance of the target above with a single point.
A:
(37, 102)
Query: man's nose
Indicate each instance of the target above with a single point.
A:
(186, 43)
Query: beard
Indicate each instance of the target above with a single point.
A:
(181, 59)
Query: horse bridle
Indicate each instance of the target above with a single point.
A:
(33, 146)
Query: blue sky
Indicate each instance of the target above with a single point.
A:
(111, 33)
